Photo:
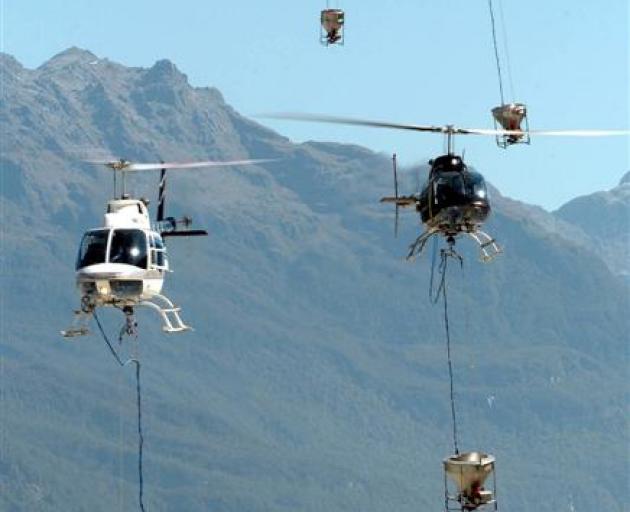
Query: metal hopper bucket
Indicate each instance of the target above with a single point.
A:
(511, 117)
(469, 472)
(332, 19)
(332, 27)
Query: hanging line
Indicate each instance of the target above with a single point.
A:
(445, 254)
(434, 294)
(127, 330)
(496, 50)
(506, 51)
(121, 443)
(432, 297)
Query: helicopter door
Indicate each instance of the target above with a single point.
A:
(159, 261)
(129, 246)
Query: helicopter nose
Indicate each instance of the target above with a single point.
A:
(108, 271)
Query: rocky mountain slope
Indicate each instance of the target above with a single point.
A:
(605, 218)
(316, 377)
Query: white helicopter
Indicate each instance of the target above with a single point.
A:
(123, 263)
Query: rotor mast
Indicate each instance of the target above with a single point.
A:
(123, 180)
(450, 143)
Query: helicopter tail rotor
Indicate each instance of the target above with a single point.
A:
(397, 200)
(396, 195)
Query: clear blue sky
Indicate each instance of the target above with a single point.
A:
(405, 60)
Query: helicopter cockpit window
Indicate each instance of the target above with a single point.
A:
(93, 248)
(477, 186)
(129, 246)
(449, 189)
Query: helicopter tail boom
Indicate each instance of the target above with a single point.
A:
(167, 226)
(403, 201)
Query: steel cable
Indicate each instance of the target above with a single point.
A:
(445, 254)
(496, 51)
(122, 363)
(506, 50)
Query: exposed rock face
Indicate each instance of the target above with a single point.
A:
(605, 218)
(316, 378)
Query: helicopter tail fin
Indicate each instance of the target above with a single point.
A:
(161, 197)
(168, 226)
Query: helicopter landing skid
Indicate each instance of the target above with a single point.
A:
(418, 246)
(169, 313)
(79, 325)
(171, 321)
(488, 247)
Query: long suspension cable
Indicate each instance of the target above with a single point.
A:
(496, 51)
(506, 50)
(445, 254)
(121, 444)
(122, 363)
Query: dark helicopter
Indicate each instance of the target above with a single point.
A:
(453, 200)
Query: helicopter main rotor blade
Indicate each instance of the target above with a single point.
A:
(580, 133)
(194, 165)
(353, 121)
(318, 118)
(553, 133)
(108, 163)
(129, 166)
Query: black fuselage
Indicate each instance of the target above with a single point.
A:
(453, 199)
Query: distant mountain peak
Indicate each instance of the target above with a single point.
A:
(605, 217)
(165, 70)
(72, 55)
(9, 63)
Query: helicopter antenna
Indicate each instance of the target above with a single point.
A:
(395, 194)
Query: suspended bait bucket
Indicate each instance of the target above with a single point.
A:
(332, 27)
(512, 117)
(469, 472)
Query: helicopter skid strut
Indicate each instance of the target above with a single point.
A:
(488, 247)
(418, 246)
(79, 325)
(169, 313)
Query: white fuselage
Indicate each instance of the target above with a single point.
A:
(123, 262)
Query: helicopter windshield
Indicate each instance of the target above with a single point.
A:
(449, 189)
(93, 248)
(129, 246)
(477, 186)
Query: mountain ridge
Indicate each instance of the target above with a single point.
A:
(604, 217)
(316, 377)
